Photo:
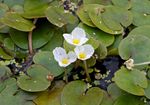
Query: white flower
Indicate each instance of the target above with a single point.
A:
(63, 58)
(77, 37)
(84, 52)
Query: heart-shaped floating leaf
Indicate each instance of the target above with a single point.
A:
(36, 80)
(51, 97)
(97, 34)
(135, 47)
(16, 21)
(82, 12)
(3, 9)
(55, 41)
(129, 100)
(128, 81)
(122, 3)
(141, 11)
(34, 8)
(46, 59)
(74, 94)
(9, 44)
(58, 17)
(41, 36)
(147, 90)
(4, 71)
(95, 13)
(115, 17)
(10, 94)
(107, 99)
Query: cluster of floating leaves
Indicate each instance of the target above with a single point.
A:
(114, 29)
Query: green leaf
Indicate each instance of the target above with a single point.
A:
(115, 17)
(36, 80)
(55, 41)
(10, 95)
(128, 81)
(11, 3)
(51, 97)
(82, 12)
(58, 17)
(122, 3)
(41, 35)
(104, 38)
(3, 9)
(74, 93)
(16, 21)
(34, 8)
(147, 90)
(95, 14)
(5, 55)
(129, 100)
(46, 59)
(135, 47)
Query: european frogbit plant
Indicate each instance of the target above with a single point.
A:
(77, 37)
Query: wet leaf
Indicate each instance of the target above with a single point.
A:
(77, 94)
(36, 80)
(122, 3)
(128, 81)
(16, 21)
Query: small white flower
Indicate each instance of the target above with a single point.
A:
(77, 37)
(63, 58)
(84, 52)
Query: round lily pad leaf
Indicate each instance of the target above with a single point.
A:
(9, 44)
(41, 35)
(128, 81)
(122, 3)
(115, 17)
(95, 13)
(107, 99)
(51, 97)
(46, 59)
(74, 93)
(3, 71)
(104, 38)
(16, 21)
(82, 12)
(135, 47)
(58, 17)
(18, 8)
(102, 2)
(36, 80)
(34, 8)
(3, 9)
(129, 100)
(147, 90)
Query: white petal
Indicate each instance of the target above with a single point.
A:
(72, 56)
(59, 53)
(82, 41)
(68, 38)
(89, 50)
(78, 49)
(78, 33)
(63, 65)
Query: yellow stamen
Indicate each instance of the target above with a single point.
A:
(82, 55)
(65, 61)
(76, 41)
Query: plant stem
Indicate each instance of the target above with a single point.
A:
(65, 75)
(86, 71)
(30, 46)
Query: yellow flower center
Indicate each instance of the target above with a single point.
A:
(76, 41)
(65, 61)
(82, 55)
